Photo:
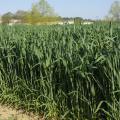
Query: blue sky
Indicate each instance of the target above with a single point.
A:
(91, 9)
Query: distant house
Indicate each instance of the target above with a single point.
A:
(47, 23)
(62, 22)
(14, 21)
(69, 22)
(87, 23)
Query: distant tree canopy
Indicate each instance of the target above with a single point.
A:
(78, 20)
(45, 8)
(114, 13)
(40, 12)
(7, 17)
(20, 14)
(32, 16)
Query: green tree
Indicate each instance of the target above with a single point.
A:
(20, 14)
(78, 20)
(114, 13)
(45, 8)
(27, 17)
(35, 14)
(6, 18)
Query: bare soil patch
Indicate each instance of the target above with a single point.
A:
(7, 113)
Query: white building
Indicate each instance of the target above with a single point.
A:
(14, 21)
(87, 23)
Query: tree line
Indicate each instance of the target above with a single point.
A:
(114, 12)
(40, 12)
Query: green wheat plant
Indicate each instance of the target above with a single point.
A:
(62, 72)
